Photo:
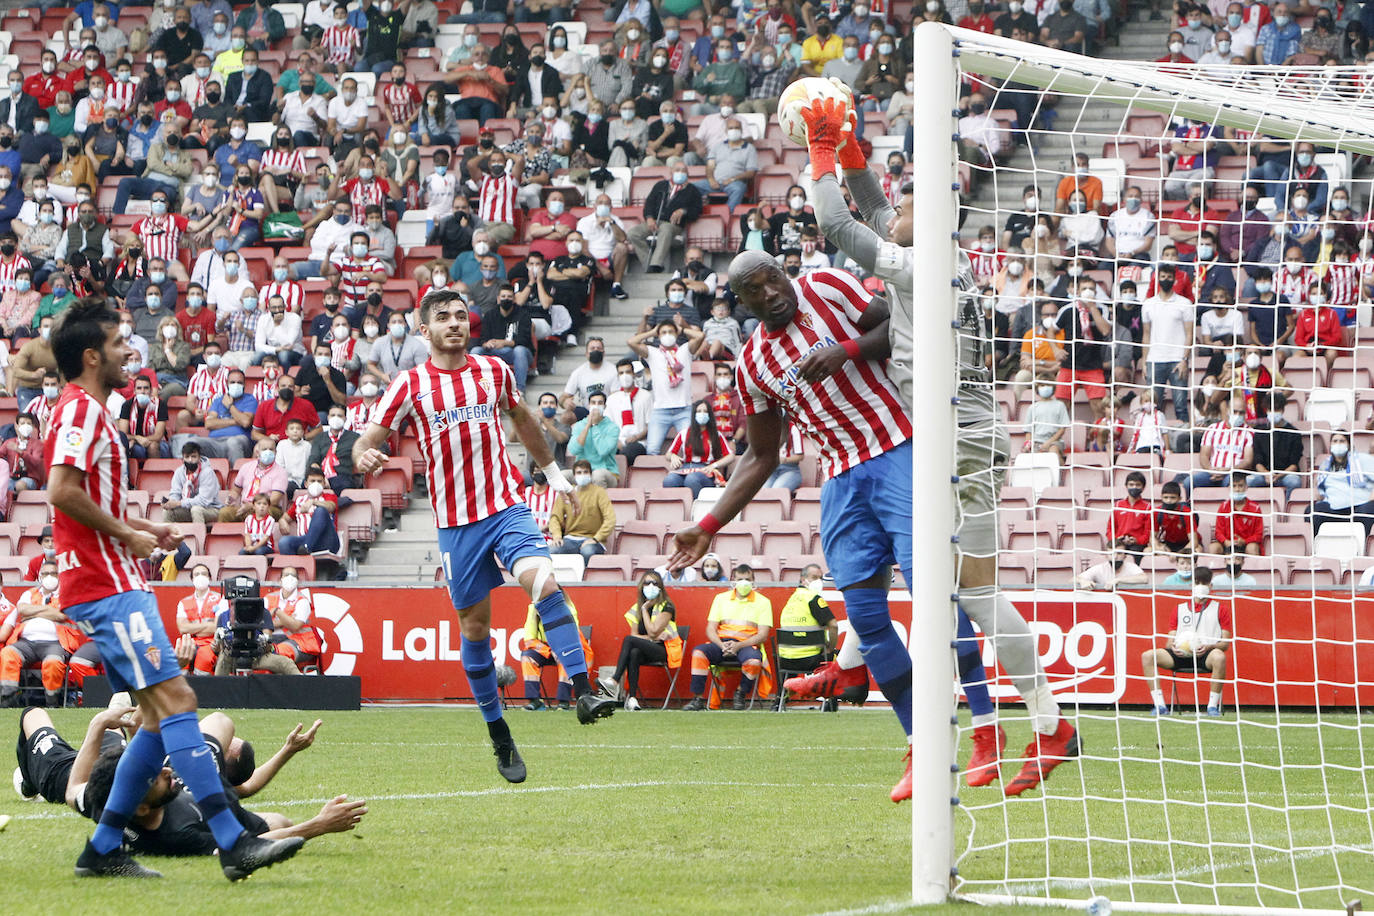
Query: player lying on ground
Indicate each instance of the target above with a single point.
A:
(981, 449)
(104, 592)
(456, 400)
(166, 822)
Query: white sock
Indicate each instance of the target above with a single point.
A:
(849, 655)
(989, 718)
(1044, 710)
(1215, 702)
(1158, 697)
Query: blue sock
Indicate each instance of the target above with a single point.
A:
(191, 758)
(971, 673)
(883, 652)
(480, 667)
(138, 767)
(564, 692)
(561, 632)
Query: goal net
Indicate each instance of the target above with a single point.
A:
(1242, 391)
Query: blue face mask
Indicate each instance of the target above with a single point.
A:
(441, 170)
(342, 219)
(221, 245)
(548, 411)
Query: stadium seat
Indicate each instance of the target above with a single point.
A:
(705, 502)
(768, 506)
(13, 569)
(1339, 540)
(1315, 572)
(1333, 406)
(304, 566)
(639, 537)
(237, 565)
(359, 520)
(668, 505)
(225, 539)
(1036, 470)
(568, 568)
(606, 568)
(30, 508)
(737, 541)
(789, 568)
(627, 502)
(783, 539)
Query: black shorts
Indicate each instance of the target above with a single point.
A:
(290, 182)
(1189, 662)
(46, 760)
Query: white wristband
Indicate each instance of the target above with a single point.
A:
(554, 475)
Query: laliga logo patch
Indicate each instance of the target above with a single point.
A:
(154, 656)
(73, 439)
(341, 639)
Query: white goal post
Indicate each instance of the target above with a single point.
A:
(1329, 106)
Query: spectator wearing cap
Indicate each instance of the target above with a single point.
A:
(673, 204)
(47, 553)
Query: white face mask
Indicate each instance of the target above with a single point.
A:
(289, 583)
(797, 201)
(49, 583)
(815, 586)
(722, 383)
(667, 340)
(582, 479)
(1200, 591)
(169, 333)
(702, 418)
(627, 381)
(336, 423)
(315, 488)
(201, 582)
(574, 248)
(651, 591)
(1339, 449)
(368, 389)
(1047, 391)
(23, 430)
(1252, 361)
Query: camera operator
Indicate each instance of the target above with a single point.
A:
(243, 640)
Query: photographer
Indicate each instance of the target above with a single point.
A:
(243, 640)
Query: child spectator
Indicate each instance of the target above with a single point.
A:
(1240, 526)
(1148, 432)
(721, 338)
(1182, 576)
(260, 529)
(1047, 421)
(1319, 327)
(1175, 525)
(1131, 517)
(293, 453)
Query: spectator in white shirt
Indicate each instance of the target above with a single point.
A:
(347, 119)
(629, 405)
(279, 332)
(1168, 319)
(670, 368)
(293, 454)
(332, 229)
(1081, 228)
(1118, 569)
(591, 377)
(980, 138)
(1131, 229)
(226, 293)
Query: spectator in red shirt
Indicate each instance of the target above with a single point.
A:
(197, 322)
(1319, 327)
(1175, 524)
(48, 553)
(1240, 526)
(1132, 517)
(977, 19)
(548, 229)
(269, 421)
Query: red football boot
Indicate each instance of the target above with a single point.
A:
(1043, 754)
(902, 790)
(826, 681)
(988, 743)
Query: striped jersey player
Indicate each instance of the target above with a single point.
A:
(456, 401)
(105, 594)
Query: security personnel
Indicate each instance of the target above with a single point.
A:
(537, 654)
(737, 626)
(806, 608)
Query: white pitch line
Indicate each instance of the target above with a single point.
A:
(642, 747)
(892, 906)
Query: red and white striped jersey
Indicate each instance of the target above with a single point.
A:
(354, 275)
(120, 95)
(362, 194)
(1228, 444)
(90, 564)
(291, 160)
(342, 42)
(541, 506)
(1292, 287)
(257, 528)
(986, 264)
(206, 385)
(703, 451)
(1343, 283)
(496, 203)
(290, 291)
(161, 235)
(852, 416)
(11, 267)
(266, 388)
(359, 415)
(402, 99)
(41, 408)
(1365, 269)
(457, 414)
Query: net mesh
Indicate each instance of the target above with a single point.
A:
(1230, 396)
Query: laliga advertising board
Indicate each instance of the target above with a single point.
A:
(1296, 649)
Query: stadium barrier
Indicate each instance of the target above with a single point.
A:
(403, 641)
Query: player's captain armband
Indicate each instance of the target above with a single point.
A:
(892, 261)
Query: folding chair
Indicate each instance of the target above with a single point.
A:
(714, 675)
(684, 631)
(797, 638)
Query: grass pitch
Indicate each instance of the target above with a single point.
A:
(669, 812)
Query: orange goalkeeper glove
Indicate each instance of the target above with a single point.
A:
(851, 155)
(825, 120)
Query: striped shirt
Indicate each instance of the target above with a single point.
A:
(852, 416)
(1292, 287)
(90, 564)
(496, 203)
(277, 160)
(290, 291)
(11, 267)
(402, 99)
(359, 415)
(41, 408)
(458, 415)
(362, 194)
(161, 235)
(120, 95)
(541, 506)
(1228, 444)
(354, 275)
(703, 451)
(266, 388)
(257, 528)
(1343, 283)
(342, 42)
(206, 385)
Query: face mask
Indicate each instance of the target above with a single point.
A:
(1194, 23)
(1223, 48)
(667, 340)
(1175, 47)
(1299, 203)
(238, 133)
(1032, 202)
(1237, 419)
(1166, 283)
(1200, 591)
(632, 34)
(50, 391)
(1015, 268)
(143, 400)
(676, 296)
(125, 329)
(1047, 391)
(727, 111)
(360, 249)
(1134, 492)
(734, 135)
(1328, 233)
(1275, 418)
(743, 587)
(1047, 322)
(267, 457)
(480, 248)
(1318, 299)
(235, 388)
(1233, 20)
(1205, 251)
(703, 418)
(717, 31)
(322, 363)
(250, 303)
(365, 174)
(582, 479)
(1339, 449)
(851, 53)
(784, 39)
(1304, 160)
(574, 248)
(289, 583)
(370, 331)
(49, 583)
(651, 591)
(169, 333)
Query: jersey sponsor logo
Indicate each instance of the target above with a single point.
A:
(67, 561)
(473, 413)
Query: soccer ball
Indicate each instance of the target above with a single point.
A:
(1183, 646)
(798, 95)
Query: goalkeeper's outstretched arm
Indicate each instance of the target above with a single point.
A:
(838, 225)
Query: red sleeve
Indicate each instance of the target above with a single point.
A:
(260, 415)
(348, 186)
(1173, 618)
(1222, 531)
(677, 447)
(181, 221)
(1224, 617)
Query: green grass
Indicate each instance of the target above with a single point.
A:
(728, 812)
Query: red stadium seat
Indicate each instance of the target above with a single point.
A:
(358, 521)
(237, 565)
(768, 506)
(627, 502)
(670, 506)
(785, 539)
(225, 539)
(639, 537)
(607, 569)
(737, 540)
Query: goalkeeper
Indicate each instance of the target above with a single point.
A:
(883, 247)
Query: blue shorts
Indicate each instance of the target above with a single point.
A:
(866, 518)
(470, 551)
(127, 629)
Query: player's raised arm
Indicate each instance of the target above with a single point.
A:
(766, 432)
(825, 121)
